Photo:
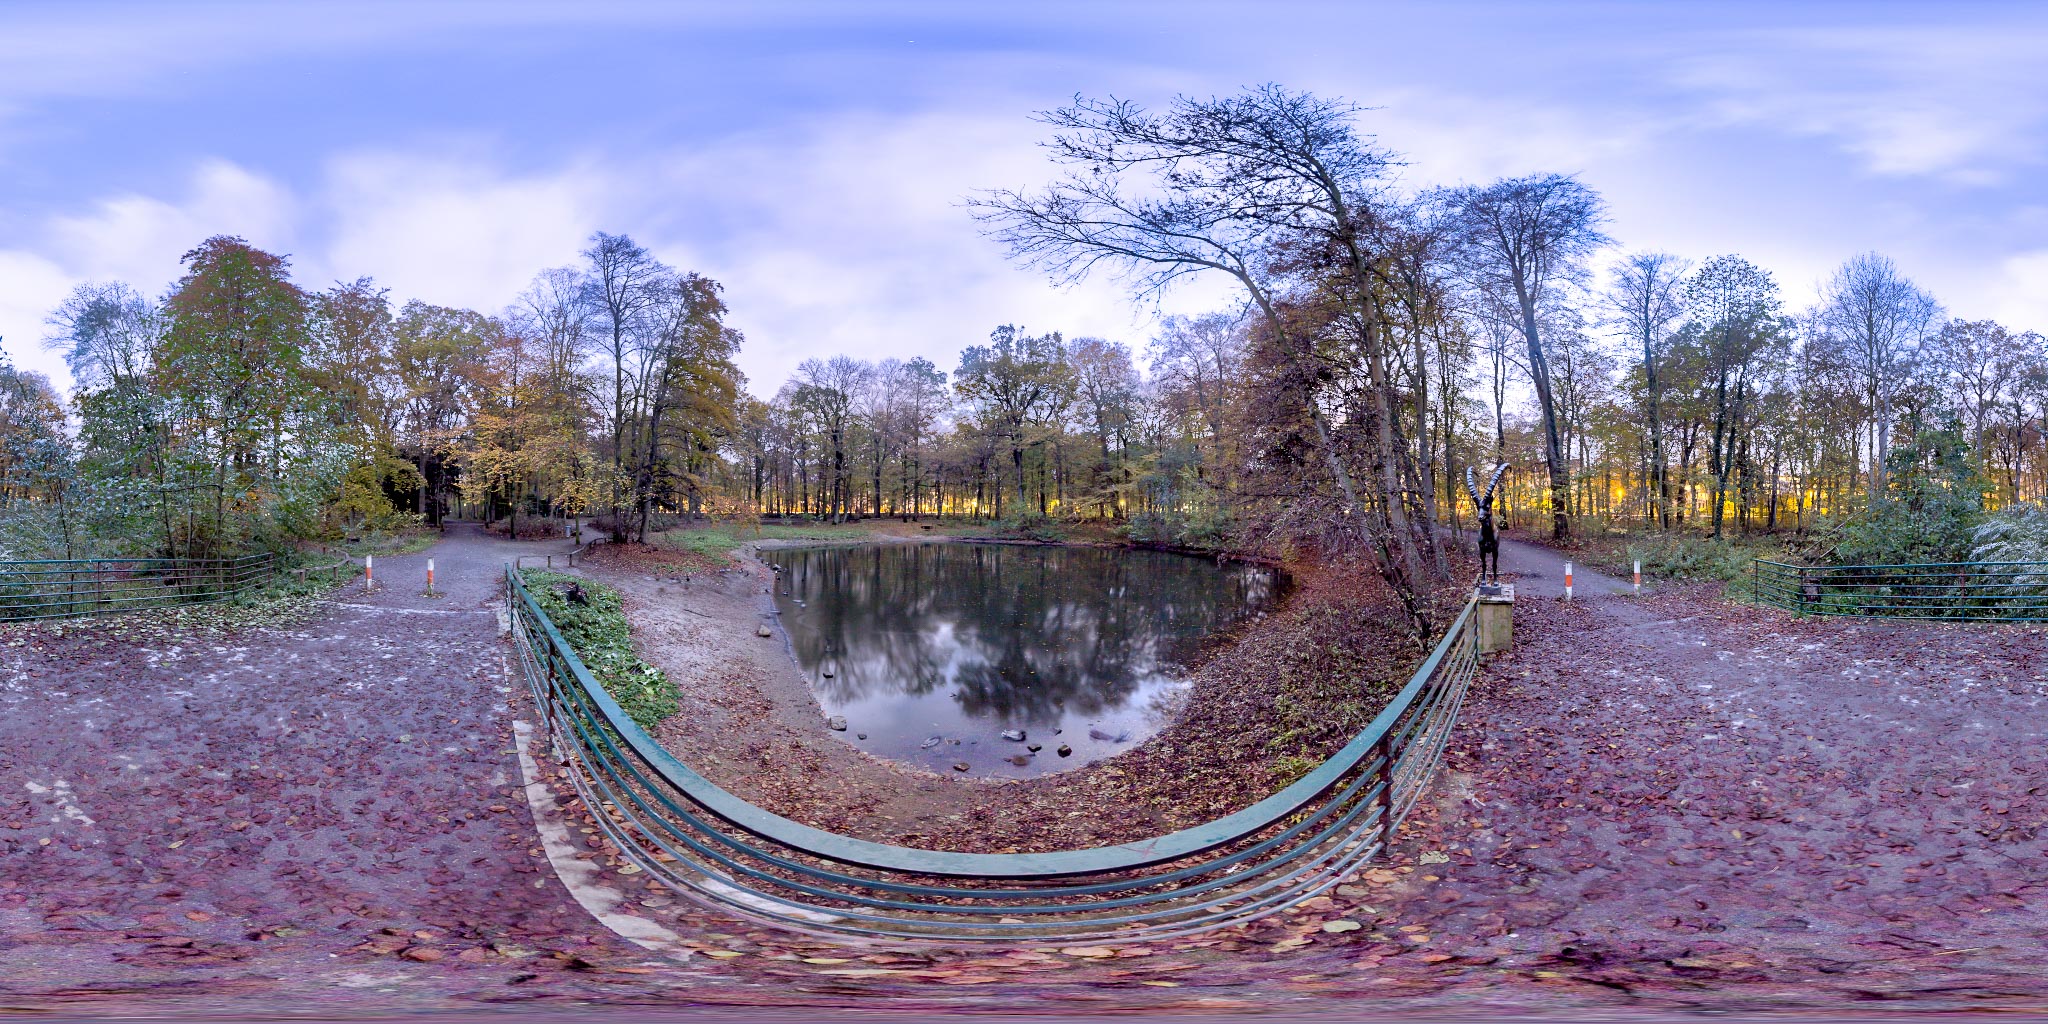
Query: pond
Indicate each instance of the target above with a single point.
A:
(941, 654)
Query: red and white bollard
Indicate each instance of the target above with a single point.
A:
(369, 581)
(1639, 577)
(1567, 581)
(430, 575)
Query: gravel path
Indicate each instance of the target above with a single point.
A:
(327, 809)
(1674, 786)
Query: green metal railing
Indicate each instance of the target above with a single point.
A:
(683, 829)
(55, 589)
(1951, 591)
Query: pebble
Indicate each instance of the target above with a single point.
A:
(764, 631)
(1014, 735)
(960, 766)
(836, 723)
(1064, 750)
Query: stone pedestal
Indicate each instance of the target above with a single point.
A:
(1496, 613)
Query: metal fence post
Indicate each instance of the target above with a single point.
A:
(1384, 751)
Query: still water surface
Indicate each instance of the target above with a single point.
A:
(931, 651)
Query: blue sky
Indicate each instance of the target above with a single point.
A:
(812, 156)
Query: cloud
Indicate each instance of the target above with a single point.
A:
(2020, 299)
(134, 238)
(847, 235)
(1962, 101)
(140, 238)
(30, 286)
(453, 232)
(831, 235)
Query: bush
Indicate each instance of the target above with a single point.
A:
(1208, 526)
(1930, 509)
(1033, 526)
(1695, 558)
(598, 632)
(2015, 533)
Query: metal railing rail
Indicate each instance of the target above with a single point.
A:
(68, 588)
(1952, 591)
(683, 829)
(569, 559)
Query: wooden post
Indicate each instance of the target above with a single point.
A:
(1496, 618)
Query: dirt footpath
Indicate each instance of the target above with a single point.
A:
(1676, 786)
(324, 814)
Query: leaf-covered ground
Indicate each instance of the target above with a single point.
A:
(1662, 805)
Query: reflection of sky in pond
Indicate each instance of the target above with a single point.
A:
(960, 642)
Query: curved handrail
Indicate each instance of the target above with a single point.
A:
(1055, 864)
(714, 847)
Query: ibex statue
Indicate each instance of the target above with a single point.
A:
(1489, 541)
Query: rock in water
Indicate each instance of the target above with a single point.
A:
(930, 743)
(764, 631)
(836, 723)
(1014, 735)
(960, 766)
(828, 669)
(1020, 760)
(1064, 750)
(1035, 747)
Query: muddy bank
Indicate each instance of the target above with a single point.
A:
(1270, 700)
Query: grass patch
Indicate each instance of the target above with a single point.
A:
(598, 632)
(403, 542)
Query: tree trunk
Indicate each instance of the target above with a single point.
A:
(1553, 451)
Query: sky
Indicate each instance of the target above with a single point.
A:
(814, 157)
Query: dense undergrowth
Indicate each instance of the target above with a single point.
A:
(596, 628)
(284, 599)
(1678, 555)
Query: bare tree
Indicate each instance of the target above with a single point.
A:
(1643, 303)
(1527, 240)
(826, 389)
(1221, 185)
(625, 281)
(1884, 319)
(1983, 362)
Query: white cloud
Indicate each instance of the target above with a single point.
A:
(848, 236)
(133, 238)
(140, 238)
(1958, 101)
(2020, 299)
(30, 286)
(839, 235)
(456, 233)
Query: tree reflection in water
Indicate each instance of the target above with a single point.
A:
(963, 641)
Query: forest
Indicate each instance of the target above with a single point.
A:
(1384, 340)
